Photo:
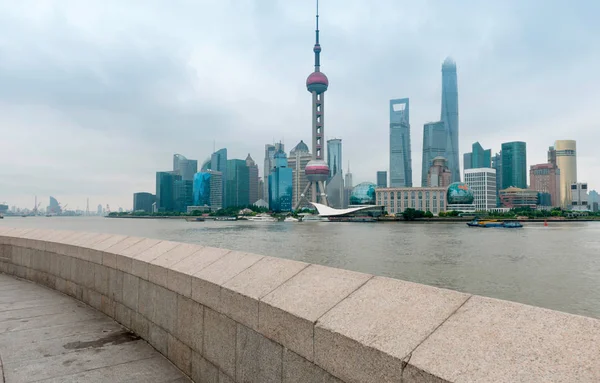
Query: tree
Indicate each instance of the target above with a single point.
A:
(428, 214)
(409, 214)
(442, 214)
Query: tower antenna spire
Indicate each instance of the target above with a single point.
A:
(317, 48)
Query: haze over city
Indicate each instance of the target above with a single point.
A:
(95, 98)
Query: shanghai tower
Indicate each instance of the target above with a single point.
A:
(450, 116)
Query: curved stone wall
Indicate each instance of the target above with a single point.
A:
(227, 316)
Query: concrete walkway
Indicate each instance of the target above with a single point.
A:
(49, 337)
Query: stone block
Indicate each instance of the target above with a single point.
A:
(82, 273)
(94, 299)
(296, 369)
(190, 322)
(146, 298)
(123, 315)
(240, 295)
(140, 325)
(158, 268)
(492, 340)
(64, 266)
(165, 308)
(206, 284)
(369, 334)
(107, 306)
(180, 274)
(100, 278)
(107, 243)
(287, 314)
(25, 259)
(158, 338)
(129, 248)
(180, 354)
(61, 285)
(130, 291)
(202, 370)
(73, 289)
(86, 251)
(115, 284)
(224, 378)
(140, 263)
(54, 243)
(258, 359)
(219, 341)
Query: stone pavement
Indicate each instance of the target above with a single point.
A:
(46, 336)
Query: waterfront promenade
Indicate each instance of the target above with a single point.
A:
(229, 316)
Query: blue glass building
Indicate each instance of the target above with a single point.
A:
(363, 194)
(280, 184)
(201, 189)
(514, 165)
(434, 145)
(400, 154)
(218, 162)
(450, 116)
(165, 191)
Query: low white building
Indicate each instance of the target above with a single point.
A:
(579, 196)
(483, 183)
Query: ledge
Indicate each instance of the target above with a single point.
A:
(223, 315)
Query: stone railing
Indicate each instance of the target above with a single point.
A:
(227, 316)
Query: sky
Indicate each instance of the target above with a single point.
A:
(95, 97)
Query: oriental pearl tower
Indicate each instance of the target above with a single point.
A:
(317, 170)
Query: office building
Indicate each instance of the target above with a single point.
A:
(280, 184)
(348, 178)
(438, 174)
(514, 165)
(400, 152)
(261, 188)
(334, 156)
(99, 210)
(552, 156)
(165, 191)
(545, 178)
(483, 183)
(141, 202)
(238, 185)
(208, 189)
(336, 191)
(252, 179)
(579, 195)
(434, 145)
(184, 195)
(397, 200)
(184, 167)
(382, 179)
(478, 158)
(270, 151)
(593, 200)
(566, 160)
(297, 161)
(513, 197)
(497, 166)
(54, 207)
(450, 116)
(218, 162)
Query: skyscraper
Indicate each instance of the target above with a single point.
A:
(238, 186)
(483, 183)
(184, 167)
(208, 189)
(334, 156)
(514, 165)
(497, 166)
(165, 191)
(400, 154)
(566, 160)
(184, 194)
(270, 151)
(438, 174)
(218, 162)
(450, 115)
(252, 179)
(381, 179)
(478, 158)
(280, 184)
(297, 161)
(143, 201)
(317, 171)
(545, 178)
(434, 145)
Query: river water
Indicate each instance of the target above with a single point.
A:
(556, 267)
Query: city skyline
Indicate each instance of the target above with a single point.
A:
(121, 130)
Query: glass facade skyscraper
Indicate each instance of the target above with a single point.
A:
(184, 167)
(143, 201)
(514, 165)
(237, 184)
(450, 115)
(400, 153)
(434, 145)
(334, 156)
(381, 179)
(184, 197)
(218, 162)
(165, 191)
(478, 158)
(201, 189)
(280, 184)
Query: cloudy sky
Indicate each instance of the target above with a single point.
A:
(97, 96)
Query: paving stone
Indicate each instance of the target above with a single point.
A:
(296, 369)
(100, 278)
(158, 268)
(206, 284)
(258, 359)
(179, 276)
(146, 298)
(129, 248)
(219, 341)
(140, 263)
(130, 291)
(287, 314)
(165, 309)
(489, 340)
(115, 284)
(123, 315)
(203, 371)
(190, 322)
(180, 354)
(158, 338)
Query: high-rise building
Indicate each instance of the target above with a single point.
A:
(208, 189)
(99, 209)
(381, 179)
(450, 115)
(184, 194)
(497, 166)
(434, 145)
(482, 182)
(348, 186)
(334, 156)
(238, 187)
(252, 179)
(142, 202)
(270, 151)
(297, 161)
(317, 170)
(545, 178)
(54, 206)
(261, 186)
(514, 165)
(566, 160)
(552, 156)
(400, 153)
(218, 162)
(165, 191)
(184, 167)
(348, 178)
(478, 158)
(579, 195)
(280, 184)
(438, 174)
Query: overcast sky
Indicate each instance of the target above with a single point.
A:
(95, 97)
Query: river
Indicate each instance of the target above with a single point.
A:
(556, 267)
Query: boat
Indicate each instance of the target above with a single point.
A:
(290, 219)
(1, 216)
(313, 218)
(225, 218)
(262, 218)
(494, 223)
